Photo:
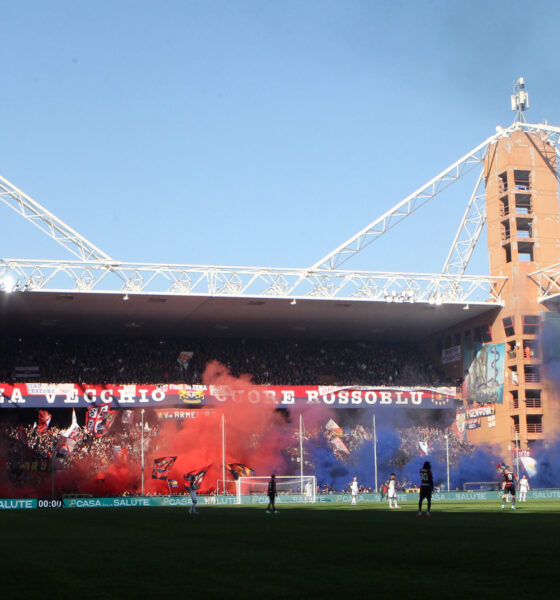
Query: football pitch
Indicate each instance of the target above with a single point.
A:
(470, 549)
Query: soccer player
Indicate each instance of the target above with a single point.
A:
(271, 508)
(191, 487)
(308, 492)
(392, 492)
(508, 487)
(354, 491)
(383, 491)
(426, 487)
(523, 488)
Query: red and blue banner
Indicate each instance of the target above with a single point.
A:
(40, 395)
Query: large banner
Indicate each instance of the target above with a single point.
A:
(482, 410)
(484, 382)
(449, 355)
(39, 395)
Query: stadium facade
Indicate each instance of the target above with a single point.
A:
(523, 225)
(494, 348)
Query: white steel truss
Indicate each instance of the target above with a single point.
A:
(468, 233)
(405, 207)
(39, 216)
(548, 280)
(95, 271)
(253, 282)
(473, 220)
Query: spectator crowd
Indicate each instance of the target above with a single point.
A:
(30, 454)
(122, 360)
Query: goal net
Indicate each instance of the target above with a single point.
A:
(253, 490)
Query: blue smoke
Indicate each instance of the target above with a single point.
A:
(327, 468)
(480, 466)
(548, 462)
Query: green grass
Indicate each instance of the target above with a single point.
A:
(470, 549)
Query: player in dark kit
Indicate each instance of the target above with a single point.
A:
(508, 487)
(426, 487)
(271, 508)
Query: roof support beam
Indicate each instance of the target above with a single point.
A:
(406, 207)
(251, 282)
(48, 223)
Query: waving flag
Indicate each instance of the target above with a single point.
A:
(127, 417)
(99, 419)
(162, 466)
(339, 445)
(238, 470)
(333, 428)
(184, 359)
(74, 430)
(64, 446)
(107, 421)
(95, 417)
(196, 476)
(44, 421)
(530, 465)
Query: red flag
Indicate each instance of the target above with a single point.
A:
(196, 477)
(44, 421)
(94, 418)
(162, 466)
(238, 470)
(99, 419)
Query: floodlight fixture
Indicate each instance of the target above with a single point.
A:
(7, 284)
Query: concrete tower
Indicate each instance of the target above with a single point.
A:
(523, 220)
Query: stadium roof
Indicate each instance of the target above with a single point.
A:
(58, 313)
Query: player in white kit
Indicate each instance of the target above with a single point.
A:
(308, 492)
(523, 488)
(354, 491)
(392, 492)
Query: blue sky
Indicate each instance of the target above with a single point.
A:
(258, 133)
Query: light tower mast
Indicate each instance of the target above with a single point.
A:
(520, 100)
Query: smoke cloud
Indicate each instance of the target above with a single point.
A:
(258, 435)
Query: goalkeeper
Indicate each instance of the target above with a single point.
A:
(271, 508)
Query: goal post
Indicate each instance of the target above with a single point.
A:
(289, 489)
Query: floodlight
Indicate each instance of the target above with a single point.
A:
(7, 283)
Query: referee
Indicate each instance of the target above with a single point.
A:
(271, 508)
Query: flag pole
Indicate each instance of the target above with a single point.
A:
(224, 453)
(375, 451)
(517, 452)
(301, 451)
(447, 459)
(53, 454)
(142, 451)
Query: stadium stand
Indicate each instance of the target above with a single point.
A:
(121, 360)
